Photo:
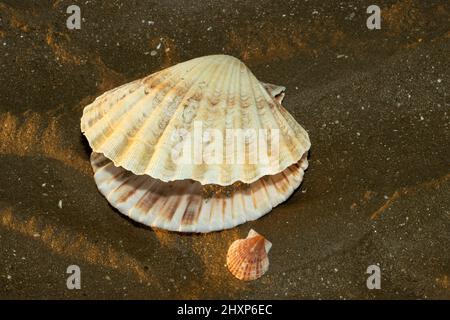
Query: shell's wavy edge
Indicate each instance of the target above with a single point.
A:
(133, 124)
(247, 259)
(188, 206)
(275, 91)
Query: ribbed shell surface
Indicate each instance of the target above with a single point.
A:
(247, 258)
(132, 125)
(188, 206)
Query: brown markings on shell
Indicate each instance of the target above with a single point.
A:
(100, 160)
(261, 103)
(32, 133)
(197, 96)
(247, 258)
(245, 103)
(181, 91)
(170, 207)
(169, 165)
(224, 207)
(192, 211)
(264, 183)
(214, 100)
(122, 175)
(124, 197)
(147, 201)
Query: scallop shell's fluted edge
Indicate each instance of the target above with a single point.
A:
(186, 205)
(275, 91)
(134, 125)
(247, 259)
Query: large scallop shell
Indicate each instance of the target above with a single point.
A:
(247, 258)
(133, 124)
(188, 206)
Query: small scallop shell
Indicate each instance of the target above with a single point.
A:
(247, 258)
(188, 206)
(134, 125)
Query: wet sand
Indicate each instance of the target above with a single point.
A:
(375, 104)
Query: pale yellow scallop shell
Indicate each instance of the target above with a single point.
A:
(188, 206)
(247, 259)
(132, 125)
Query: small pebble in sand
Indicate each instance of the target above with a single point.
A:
(60, 204)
